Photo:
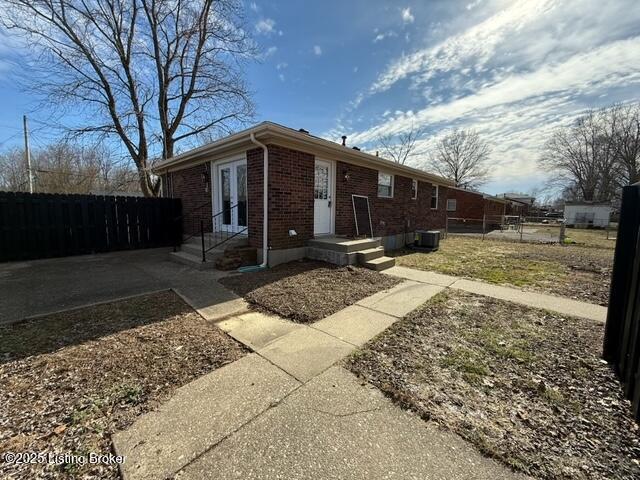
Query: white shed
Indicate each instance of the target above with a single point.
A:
(583, 215)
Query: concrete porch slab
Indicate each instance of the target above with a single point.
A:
(421, 276)
(355, 324)
(401, 299)
(257, 330)
(335, 428)
(199, 415)
(305, 352)
(346, 245)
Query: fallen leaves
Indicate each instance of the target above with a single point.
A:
(544, 402)
(67, 381)
(307, 291)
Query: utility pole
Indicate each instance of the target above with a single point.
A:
(27, 152)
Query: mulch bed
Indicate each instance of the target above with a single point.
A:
(307, 291)
(69, 380)
(526, 386)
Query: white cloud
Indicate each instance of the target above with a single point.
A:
(473, 5)
(518, 113)
(317, 50)
(281, 77)
(282, 65)
(265, 26)
(407, 16)
(270, 51)
(254, 6)
(382, 35)
(583, 74)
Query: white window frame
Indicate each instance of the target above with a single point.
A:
(437, 190)
(455, 204)
(378, 184)
(414, 195)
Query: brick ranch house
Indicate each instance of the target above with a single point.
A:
(310, 183)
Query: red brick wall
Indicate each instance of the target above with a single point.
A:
(254, 199)
(468, 204)
(389, 216)
(493, 208)
(290, 196)
(187, 185)
(291, 201)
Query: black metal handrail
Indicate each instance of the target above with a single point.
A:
(192, 216)
(219, 235)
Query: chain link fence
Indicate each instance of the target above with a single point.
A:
(516, 228)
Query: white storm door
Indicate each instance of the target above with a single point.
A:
(322, 190)
(232, 185)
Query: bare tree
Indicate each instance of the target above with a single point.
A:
(625, 132)
(462, 156)
(152, 73)
(583, 157)
(13, 171)
(401, 147)
(65, 167)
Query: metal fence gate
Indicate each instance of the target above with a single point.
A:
(49, 225)
(622, 332)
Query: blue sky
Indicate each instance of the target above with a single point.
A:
(513, 70)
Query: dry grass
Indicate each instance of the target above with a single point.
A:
(526, 386)
(579, 272)
(307, 291)
(67, 381)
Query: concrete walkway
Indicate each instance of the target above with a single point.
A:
(286, 411)
(41, 287)
(564, 306)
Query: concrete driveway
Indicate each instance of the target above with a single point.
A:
(45, 286)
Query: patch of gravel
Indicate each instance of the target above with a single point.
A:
(69, 380)
(307, 291)
(526, 386)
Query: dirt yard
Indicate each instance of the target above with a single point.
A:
(307, 291)
(582, 272)
(527, 387)
(67, 381)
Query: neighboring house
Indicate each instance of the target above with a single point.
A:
(469, 204)
(472, 209)
(520, 197)
(587, 214)
(519, 203)
(311, 182)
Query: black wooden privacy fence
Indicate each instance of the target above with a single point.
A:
(45, 225)
(622, 332)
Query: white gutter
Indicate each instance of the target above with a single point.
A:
(265, 200)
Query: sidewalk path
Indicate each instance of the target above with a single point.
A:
(286, 411)
(565, 306)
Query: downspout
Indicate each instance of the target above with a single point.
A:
(265, 200)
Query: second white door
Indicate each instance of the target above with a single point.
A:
(232, 199)
(322, 191)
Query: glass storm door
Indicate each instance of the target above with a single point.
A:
(322, 198)
(232, 179)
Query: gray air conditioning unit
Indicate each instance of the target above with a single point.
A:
(427, 239)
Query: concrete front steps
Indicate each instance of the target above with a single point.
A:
(190, 252)
(366, 252)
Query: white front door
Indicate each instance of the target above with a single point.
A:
(322, 191)
(232, 196)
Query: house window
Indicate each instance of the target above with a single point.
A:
(434, 197)
(385, 185)
(451, 205)
(414, 189)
